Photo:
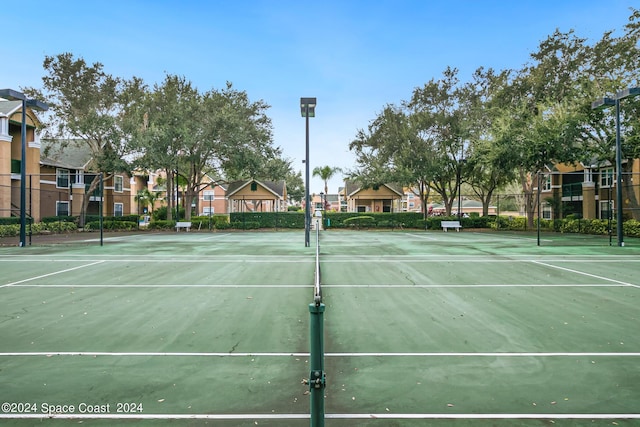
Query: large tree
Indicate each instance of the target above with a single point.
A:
(438, 119)
(488, 165)
(87, 108)
(219, 133)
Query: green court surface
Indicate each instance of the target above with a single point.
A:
(420, 328)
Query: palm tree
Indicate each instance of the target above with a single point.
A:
(326, 173)
(147, 198)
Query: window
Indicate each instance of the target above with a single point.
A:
(208, 196)
(546, 183)
(62, 178)
(606, 177)
(118, 209)
(117, 184)
(62, 208)
(15, 166)
(254, 186)
(546, 212)
(206, 211)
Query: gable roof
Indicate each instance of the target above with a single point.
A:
(71, 154)
(276, 187)
(352, 187)
(9, 108)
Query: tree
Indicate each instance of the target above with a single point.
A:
(488, 165)
(87, 106)
(326, 173)
(435, 109)
(219, 133)
(145, 198)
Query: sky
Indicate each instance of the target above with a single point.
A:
(354, 56)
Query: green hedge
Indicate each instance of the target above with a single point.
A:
(38, 228)
(161, 225)
(380, 220)
(111, 225)
(123, 218)
(267, 219)
(61, 218)
(10, 220)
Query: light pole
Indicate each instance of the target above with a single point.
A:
(213, 184)
(308, 109)
(606, 102)
(13, 95)
(460, 163)
(322, 195)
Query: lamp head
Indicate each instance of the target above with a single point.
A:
(12, 95)
(602, 103)
(630, 91)
(308, 105)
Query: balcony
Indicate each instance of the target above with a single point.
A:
(571, 192)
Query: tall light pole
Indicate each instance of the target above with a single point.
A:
(13, 95)
(603, 103)
(308, 109)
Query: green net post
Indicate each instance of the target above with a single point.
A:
(317, 380)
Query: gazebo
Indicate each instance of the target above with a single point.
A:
(257, 196)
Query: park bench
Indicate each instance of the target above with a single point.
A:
(450, 224)
(183, 224)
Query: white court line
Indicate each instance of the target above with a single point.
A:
(51, 274)
(305, 286)
(156, 286)
(303, 354)
(585, 274)
(425, 237)
(75, 416)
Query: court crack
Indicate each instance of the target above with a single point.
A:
(234, 347)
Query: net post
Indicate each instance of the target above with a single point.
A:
(317, 376)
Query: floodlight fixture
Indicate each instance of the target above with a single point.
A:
(603, 103)
(308, 107)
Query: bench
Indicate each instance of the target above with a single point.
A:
(450, 224)
(183, 224)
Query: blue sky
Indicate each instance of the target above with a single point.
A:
(354, 56)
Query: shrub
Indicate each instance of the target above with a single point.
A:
(58, 227)
(9, 230)
(111, 225)
(61, 218)
(9, 220)
(631, 228)
(161, 225)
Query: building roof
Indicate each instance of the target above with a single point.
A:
(71, 154)
(278, 188)
(9, 108)
(352, 187)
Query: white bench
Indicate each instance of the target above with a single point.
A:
(183, 224)
(450, 224)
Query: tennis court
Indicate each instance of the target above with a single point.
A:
(420, 328)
